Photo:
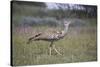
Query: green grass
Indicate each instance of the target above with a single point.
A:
(79, 45)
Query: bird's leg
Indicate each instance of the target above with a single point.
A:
(50, 51)
(56, 50)
(50, 48)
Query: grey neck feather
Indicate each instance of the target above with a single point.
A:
(64, 32)
(66, 28)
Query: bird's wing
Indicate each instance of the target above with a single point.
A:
(33, 37)
(48, 35)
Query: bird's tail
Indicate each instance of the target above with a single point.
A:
(32, 38)
(29, 40)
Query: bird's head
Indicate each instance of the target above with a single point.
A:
(66, 23)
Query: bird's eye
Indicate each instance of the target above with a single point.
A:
(65, 23)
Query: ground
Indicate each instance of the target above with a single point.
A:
(79, 45)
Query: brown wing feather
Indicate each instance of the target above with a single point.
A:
(47, 35)
(31, 38)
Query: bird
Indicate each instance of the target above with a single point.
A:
(51, 37)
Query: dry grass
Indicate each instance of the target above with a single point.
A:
(79, 45)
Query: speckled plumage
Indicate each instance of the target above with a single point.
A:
(50, 36)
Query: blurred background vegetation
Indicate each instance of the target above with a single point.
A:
(32, 13)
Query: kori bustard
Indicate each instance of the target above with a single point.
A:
(51, 37)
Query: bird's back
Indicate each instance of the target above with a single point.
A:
(48, 36)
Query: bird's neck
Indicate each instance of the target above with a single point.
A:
(64, 32)
(66, 29)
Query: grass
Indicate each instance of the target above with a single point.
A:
(79, 45)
